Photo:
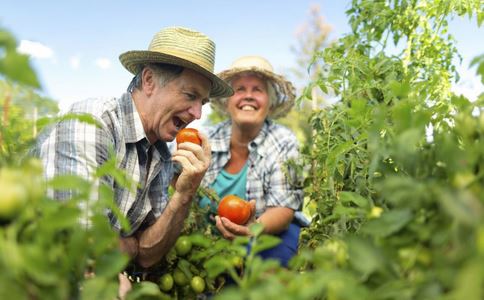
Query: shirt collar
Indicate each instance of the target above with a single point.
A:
(221, 140)
(162, 148)
(133, 127)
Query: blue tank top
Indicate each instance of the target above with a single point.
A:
(228, 184)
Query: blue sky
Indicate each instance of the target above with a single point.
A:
(76, 44)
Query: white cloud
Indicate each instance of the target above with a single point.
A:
(469, 84)
(35, 49)
(103, 63)
(75, 62)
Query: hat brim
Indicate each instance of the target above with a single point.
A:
(134, 60)
(285, 91)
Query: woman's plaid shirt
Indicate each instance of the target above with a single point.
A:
(269, 180)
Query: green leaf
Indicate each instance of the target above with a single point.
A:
(184, 266)
(351, 197)
(388, 223)
(256, 229)
(399, 89)
(469, 281)
(62, 217)
(479, 62)
(462, 206)
(99, 288)
(82, 117)
(7, 41)
(200, 240)
(13, 65)
(70, 182)
(215, 266)
(143, 290)
(407, 141)
(241, 241)
(38, 267)
(106, 195)
(336, 154)
(111, 263)
(363, 255)
(265, 242)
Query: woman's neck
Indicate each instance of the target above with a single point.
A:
(239, 147)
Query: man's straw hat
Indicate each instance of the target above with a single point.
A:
(183, 47)
(284, 98)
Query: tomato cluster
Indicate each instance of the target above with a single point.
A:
(198, 263)
(184, 277)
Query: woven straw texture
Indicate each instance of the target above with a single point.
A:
(179, 46)
(285, 91)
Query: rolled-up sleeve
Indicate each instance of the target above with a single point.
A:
(284, 186)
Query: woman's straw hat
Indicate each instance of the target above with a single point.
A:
(284, 98)
(183, 47)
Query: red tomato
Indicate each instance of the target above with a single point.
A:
(188, 135)
(235, 209)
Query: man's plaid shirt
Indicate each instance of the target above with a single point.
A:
(75, 147)
(267, 182)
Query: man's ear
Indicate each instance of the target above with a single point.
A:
(148, 81)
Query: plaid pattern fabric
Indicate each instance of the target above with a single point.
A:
(75, 147)
(267, 182)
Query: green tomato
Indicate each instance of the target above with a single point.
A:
(180, 278)
(237, 261)
(197, 284)
(183, 246)
(12, 200)
(166, 282)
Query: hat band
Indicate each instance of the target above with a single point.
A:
(202, 59)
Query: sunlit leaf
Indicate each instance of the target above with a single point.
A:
(388, 223)
(350, 197)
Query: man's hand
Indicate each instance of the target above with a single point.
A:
(194, 160)
(230, 230)
(124, 286)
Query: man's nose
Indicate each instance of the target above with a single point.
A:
(196, 110)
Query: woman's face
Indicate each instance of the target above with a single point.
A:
(250, 103)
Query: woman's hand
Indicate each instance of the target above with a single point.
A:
(230, 230)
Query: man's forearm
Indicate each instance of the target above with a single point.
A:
(129, 246)
(157, 240)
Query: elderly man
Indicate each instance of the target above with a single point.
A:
(173, 79)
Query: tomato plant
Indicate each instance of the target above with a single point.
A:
(395, 183)
(188, 135)
(235, 209)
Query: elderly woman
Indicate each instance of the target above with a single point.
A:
(249, 152)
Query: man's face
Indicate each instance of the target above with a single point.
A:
(173, 106)
(250, 103)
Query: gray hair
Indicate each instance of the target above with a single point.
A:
(164, 73)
